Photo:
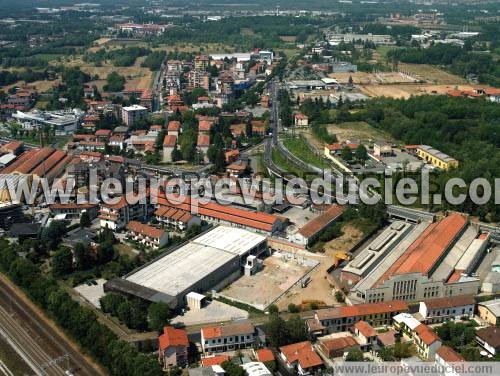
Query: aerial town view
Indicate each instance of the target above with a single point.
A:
(249, 187)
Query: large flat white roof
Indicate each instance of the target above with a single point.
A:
(231, 239)
(179, 270)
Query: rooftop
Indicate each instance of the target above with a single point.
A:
(426, 334)
(449, 355)
(173, 337)
(436, 153)
(320, 222)
(232, 329)
(362, 309)
(303, 353)
(493, 306)
(449, 302)
(490, 335)
(146, 230)
(365, 329)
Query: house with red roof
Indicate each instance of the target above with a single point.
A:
(366, 336)
(264, 355)
(215, 360)
(150, 236)
(169, 143)
(117, 214)
(228, 337)
(301, 120)
(301, 358)
(426, 341)
(173, 348)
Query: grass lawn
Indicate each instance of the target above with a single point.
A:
(282, 163)
(300, 148)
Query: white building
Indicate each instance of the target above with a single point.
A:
(62, 122)
(256, 369)
(228, 337)
(448, 308)
(133, 114)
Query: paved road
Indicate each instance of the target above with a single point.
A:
(35, 336)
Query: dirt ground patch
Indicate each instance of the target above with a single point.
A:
(288, 38)
(358, 130)
(279, 274)
(319, 288)
(365, 78)
(406, 91)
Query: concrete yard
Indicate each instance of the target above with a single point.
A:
(92, 293)
(213, 312)
(278, 275)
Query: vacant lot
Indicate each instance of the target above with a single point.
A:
(431, 74)
(356, 131)
(406, 91)
(319, 289)
(278, 275)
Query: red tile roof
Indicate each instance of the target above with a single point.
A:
(214, 360)
(365, 329)
(170, 140)
(303, 353)
(174, 125)
(264, 355)
(146, 230)
(205, 126)
(449, 302)
(320, 222)
(424, 252)
(203, 140)
(426, 334)
(449, 355)
(339, 343)
(360, 310)
(337, 146)
(72, 205)
(103, 132)
(173, 337)
(257, 220)
(228, 330)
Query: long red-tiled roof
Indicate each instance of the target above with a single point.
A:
(450, 301)
(45, 166)
(143, 229)
(320, 222)
(233, 329)
(19, 161)
(72, 205)
(424, 252)
(174, 125)
(205, 126)
(30, 164)
(260, 221)
(363, 309)
(173, 337)
(303, 353)
(339, 343)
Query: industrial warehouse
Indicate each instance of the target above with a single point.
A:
(417, 261)
(209, 261)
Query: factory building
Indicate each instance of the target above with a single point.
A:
(415, 262)
(209, 261)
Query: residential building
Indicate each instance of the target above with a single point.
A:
(301, 120)
(214, 360)
(301, 358)
(177, 218)
(489, 311)
(133, 114)
(436, 158)
(150, 236)
(264, 355)
(489, 339)
(201, 62)
(198, 78)
(256, 369)
(447, 357)
(74, 210)
(174, 128)
(116, 216)
(169, 143)
(382, 149)
(335, 347)
(341, 319)
(365, 335)
(173, 348)
(426, 341)
(227, 337)
(447, 308)
(203, 143)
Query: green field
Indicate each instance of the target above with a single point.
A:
(300, 148)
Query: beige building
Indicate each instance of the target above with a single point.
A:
(168, 147)
(489, 311)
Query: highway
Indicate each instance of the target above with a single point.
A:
(36, 339)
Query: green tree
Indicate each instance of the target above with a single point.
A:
(292, 308)
(232, 369)
(361, 153)
(85, 220)
(346, 154)
(354, 355)
(158, 316)
(82, 256)
(62, 262)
